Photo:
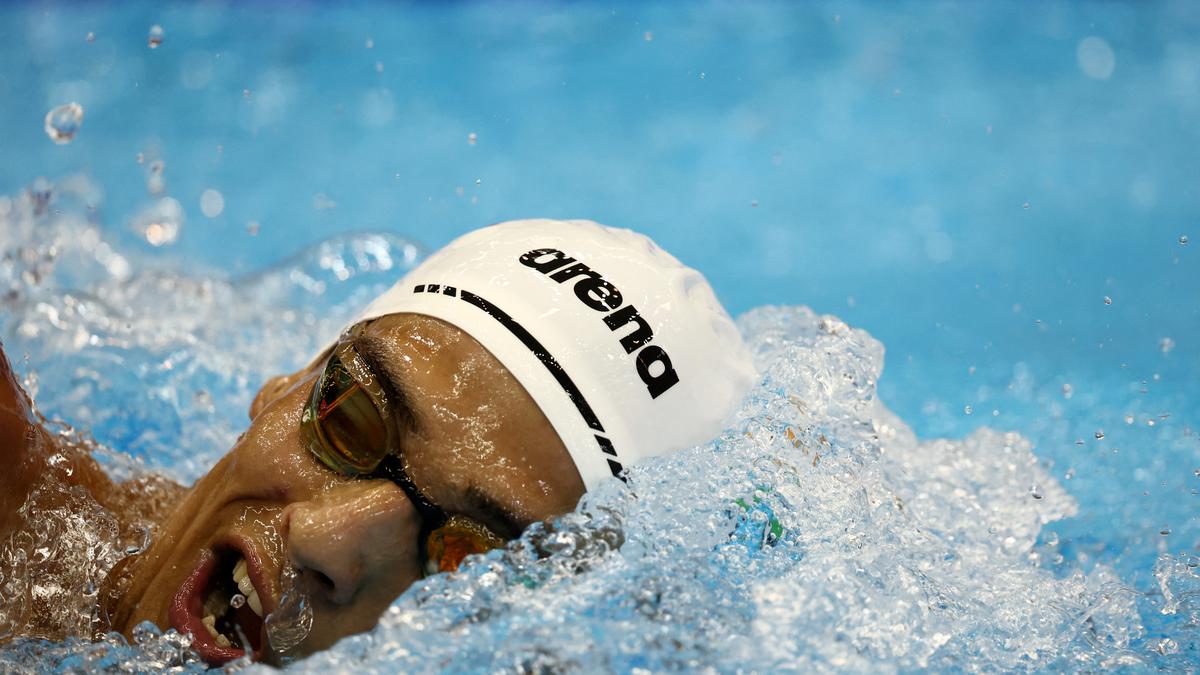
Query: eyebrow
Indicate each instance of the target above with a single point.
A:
(373, 353)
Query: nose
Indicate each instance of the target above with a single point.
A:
(357, 534)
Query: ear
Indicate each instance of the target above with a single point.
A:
(273, 389)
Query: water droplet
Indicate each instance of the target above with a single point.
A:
(1095, 57)
(1183, 239)
(159, 223)
(203, 400)
(472, 138)
(1070, 474)
(968, 409)
(155, 37)
(212, 203)
(237, 601)
(156, 183)
(478, 181)
(1166, 344)
(322, 202)
(1107, 300)
(63, 122)
(1100, 435)
(1166, 646)
(648, 36)
(91, 37)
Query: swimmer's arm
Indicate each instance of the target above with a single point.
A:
(19, 434)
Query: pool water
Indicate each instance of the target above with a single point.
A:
(1002, 198)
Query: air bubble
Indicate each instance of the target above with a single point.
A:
(1107, 300)
(1129, 419)
(968, 409)
(1100, 435)
(472, 138)
(1183, 239)
(237, 601)
(63, 122)
(91, 37)
(155, 37)
(1165, 345)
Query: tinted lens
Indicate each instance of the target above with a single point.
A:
(342, 425)
(460, 537)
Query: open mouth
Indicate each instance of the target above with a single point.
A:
(220, 606)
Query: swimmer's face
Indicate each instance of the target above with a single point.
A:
(481, 448)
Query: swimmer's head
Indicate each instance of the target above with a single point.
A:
(626, 351)
(518, 367)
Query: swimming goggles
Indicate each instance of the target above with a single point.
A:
(350, 425)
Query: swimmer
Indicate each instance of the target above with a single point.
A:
(513, 370)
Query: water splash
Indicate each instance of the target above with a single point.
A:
(289, 625)
(816, 533)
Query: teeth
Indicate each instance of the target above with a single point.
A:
(254, 602)
(241, 577)
(210, 622)
(224, 641)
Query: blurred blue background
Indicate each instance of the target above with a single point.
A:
(969, 182)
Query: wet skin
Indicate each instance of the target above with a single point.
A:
(475, 442)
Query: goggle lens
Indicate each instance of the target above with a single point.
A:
(448, 545)
(350, 432)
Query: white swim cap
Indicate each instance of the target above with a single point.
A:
(626, 351)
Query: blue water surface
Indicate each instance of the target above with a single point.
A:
(1006, 196)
